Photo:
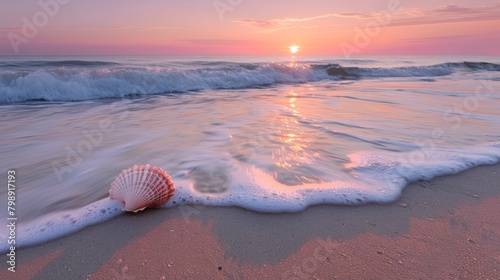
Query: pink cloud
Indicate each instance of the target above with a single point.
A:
(448, 14)
(442, 14)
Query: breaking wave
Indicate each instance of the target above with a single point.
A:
(74, 80)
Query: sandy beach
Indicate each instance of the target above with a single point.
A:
(447, 228)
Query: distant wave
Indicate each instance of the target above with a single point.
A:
(437, 70)
(474, 65)
(74, 80)
(62, 63)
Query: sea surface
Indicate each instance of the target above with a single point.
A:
(268, 134)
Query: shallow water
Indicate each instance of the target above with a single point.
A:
(272, 148)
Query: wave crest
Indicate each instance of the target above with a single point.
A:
(85, 80)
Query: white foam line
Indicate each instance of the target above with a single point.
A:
(59, 224)
(384, 177)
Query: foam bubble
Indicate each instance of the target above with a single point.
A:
(377, 177)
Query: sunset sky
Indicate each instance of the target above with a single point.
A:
(253, 27)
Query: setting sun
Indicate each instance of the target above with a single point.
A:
(294, 49)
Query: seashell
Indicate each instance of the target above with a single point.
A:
(142, 186)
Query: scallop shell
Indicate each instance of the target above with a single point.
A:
(142, 186)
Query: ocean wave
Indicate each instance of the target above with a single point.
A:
(74, 80)
(61, 63)
(437, 70)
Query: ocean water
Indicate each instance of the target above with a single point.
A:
(268, 134)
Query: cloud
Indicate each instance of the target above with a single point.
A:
(257, 23)
(116, 28)
(470, 38)
(447, 14)
(443, 14)
(442, 38)
(217, 42)
(355, 15)
(453, 9)
(139, 28)
(289, 23)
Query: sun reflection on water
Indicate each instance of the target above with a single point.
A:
(292, 155)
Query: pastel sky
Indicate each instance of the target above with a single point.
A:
(253, 27)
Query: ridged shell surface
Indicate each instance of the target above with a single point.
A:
(142, 186)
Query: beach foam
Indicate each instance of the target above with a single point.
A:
(377, 177)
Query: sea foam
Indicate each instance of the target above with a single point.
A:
(380, 177)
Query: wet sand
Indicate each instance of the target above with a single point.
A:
(447, 228)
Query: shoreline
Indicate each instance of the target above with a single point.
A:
(444, 228)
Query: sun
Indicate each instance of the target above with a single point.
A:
(294, 49)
